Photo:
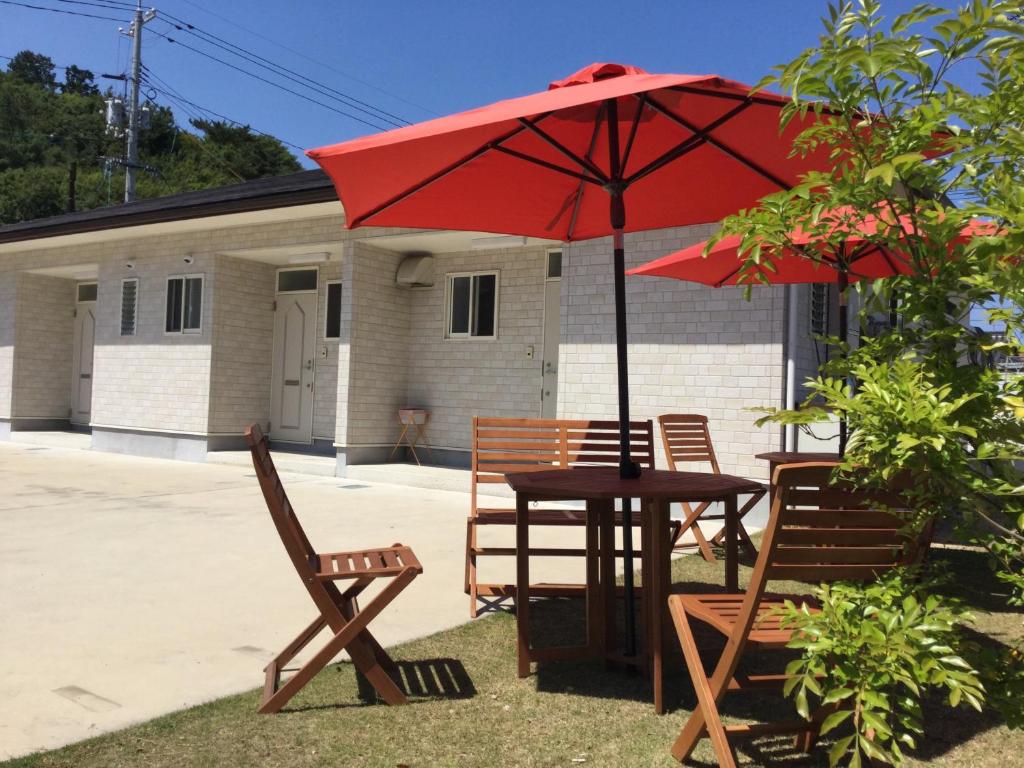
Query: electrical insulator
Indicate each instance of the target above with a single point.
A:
(145, 112)
(115, 113)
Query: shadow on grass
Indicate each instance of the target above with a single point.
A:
(423, 680)
(561, 622)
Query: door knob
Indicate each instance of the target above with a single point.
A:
(309, 365)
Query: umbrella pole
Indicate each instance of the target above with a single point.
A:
(842, 282)
(628, 470)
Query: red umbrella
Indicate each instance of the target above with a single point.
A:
(847, 252)
(568, 163)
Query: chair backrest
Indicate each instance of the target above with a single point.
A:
(502, 445)
(301, 552)
(687, 440)
(821, 532)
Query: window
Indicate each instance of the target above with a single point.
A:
(332, 328)
(184, 304)
(473, 305)
(129, 305)
(554, 265)
(87, 291)
(296, 280)
(819, 309)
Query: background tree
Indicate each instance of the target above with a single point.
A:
(54, 141)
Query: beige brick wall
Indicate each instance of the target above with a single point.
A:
(459, 378)
(8, 298)
(691, 348)
(242, 339)
(152, 380)
(44, 335)
(380, 345)
(159, 381)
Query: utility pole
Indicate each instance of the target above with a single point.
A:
(132, 159)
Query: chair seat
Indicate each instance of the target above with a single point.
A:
(364, 563)
(720, 611)
(541, 517)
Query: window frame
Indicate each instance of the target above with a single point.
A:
(327, 307)
(449, 304)
(201, 276)
(135, 310)
(307, 268)
(78, 291)
(547, 263)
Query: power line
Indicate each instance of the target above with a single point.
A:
(307, 57)
(169, 91)
(289, 74)
(62, 11)
(374, 126)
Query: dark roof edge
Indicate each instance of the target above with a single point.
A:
(189, 205)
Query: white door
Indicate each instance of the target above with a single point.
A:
(291, 417)
(552, 314)
(81, 364)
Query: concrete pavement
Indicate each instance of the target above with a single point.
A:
(131, 587)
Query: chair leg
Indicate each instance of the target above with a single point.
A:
(705, 720)
(471, 580)
(691, 524)
(347, 636)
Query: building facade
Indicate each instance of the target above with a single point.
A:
(166, 326)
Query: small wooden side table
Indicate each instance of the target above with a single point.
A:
(414, 422)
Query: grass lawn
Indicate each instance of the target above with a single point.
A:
(480, 714)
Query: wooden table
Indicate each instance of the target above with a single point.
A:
(599, 487)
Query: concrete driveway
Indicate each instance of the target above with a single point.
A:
(132, 587)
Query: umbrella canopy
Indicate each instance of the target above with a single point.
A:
(848, 253)
(690, 149)
(807, 262)
(606, 150)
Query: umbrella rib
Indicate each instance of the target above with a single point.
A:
(633, 129)
(688, 145)
(722, 147)
(583, 163)
(483, 149)
(580, 189)
(545, 164)
(761, 100)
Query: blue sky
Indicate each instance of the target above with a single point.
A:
(417, 59)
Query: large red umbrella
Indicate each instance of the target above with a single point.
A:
(844, 251)
(568, 164)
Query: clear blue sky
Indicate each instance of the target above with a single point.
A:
(442, 55)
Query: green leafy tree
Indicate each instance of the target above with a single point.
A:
(915, 157)
(34, 69)
(80, 81)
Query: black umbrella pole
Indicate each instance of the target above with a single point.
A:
(844, 322)
(627, 468)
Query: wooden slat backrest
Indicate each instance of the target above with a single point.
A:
(502, 445)
(818, 532)
(686, 439)
(292, 536)
(827, 532)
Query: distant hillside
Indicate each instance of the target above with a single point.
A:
(54, 146)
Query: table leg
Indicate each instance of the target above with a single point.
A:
(607, 525)
(646, 578)
(522, 585)
(657, 595)
(595, 603)
(732, 565)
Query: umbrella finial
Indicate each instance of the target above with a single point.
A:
(595, 72)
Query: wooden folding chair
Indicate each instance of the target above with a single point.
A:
(816, 533)
(339, 611)
(687, 441)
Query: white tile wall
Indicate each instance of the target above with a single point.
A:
(691, 348)
(43, 347)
